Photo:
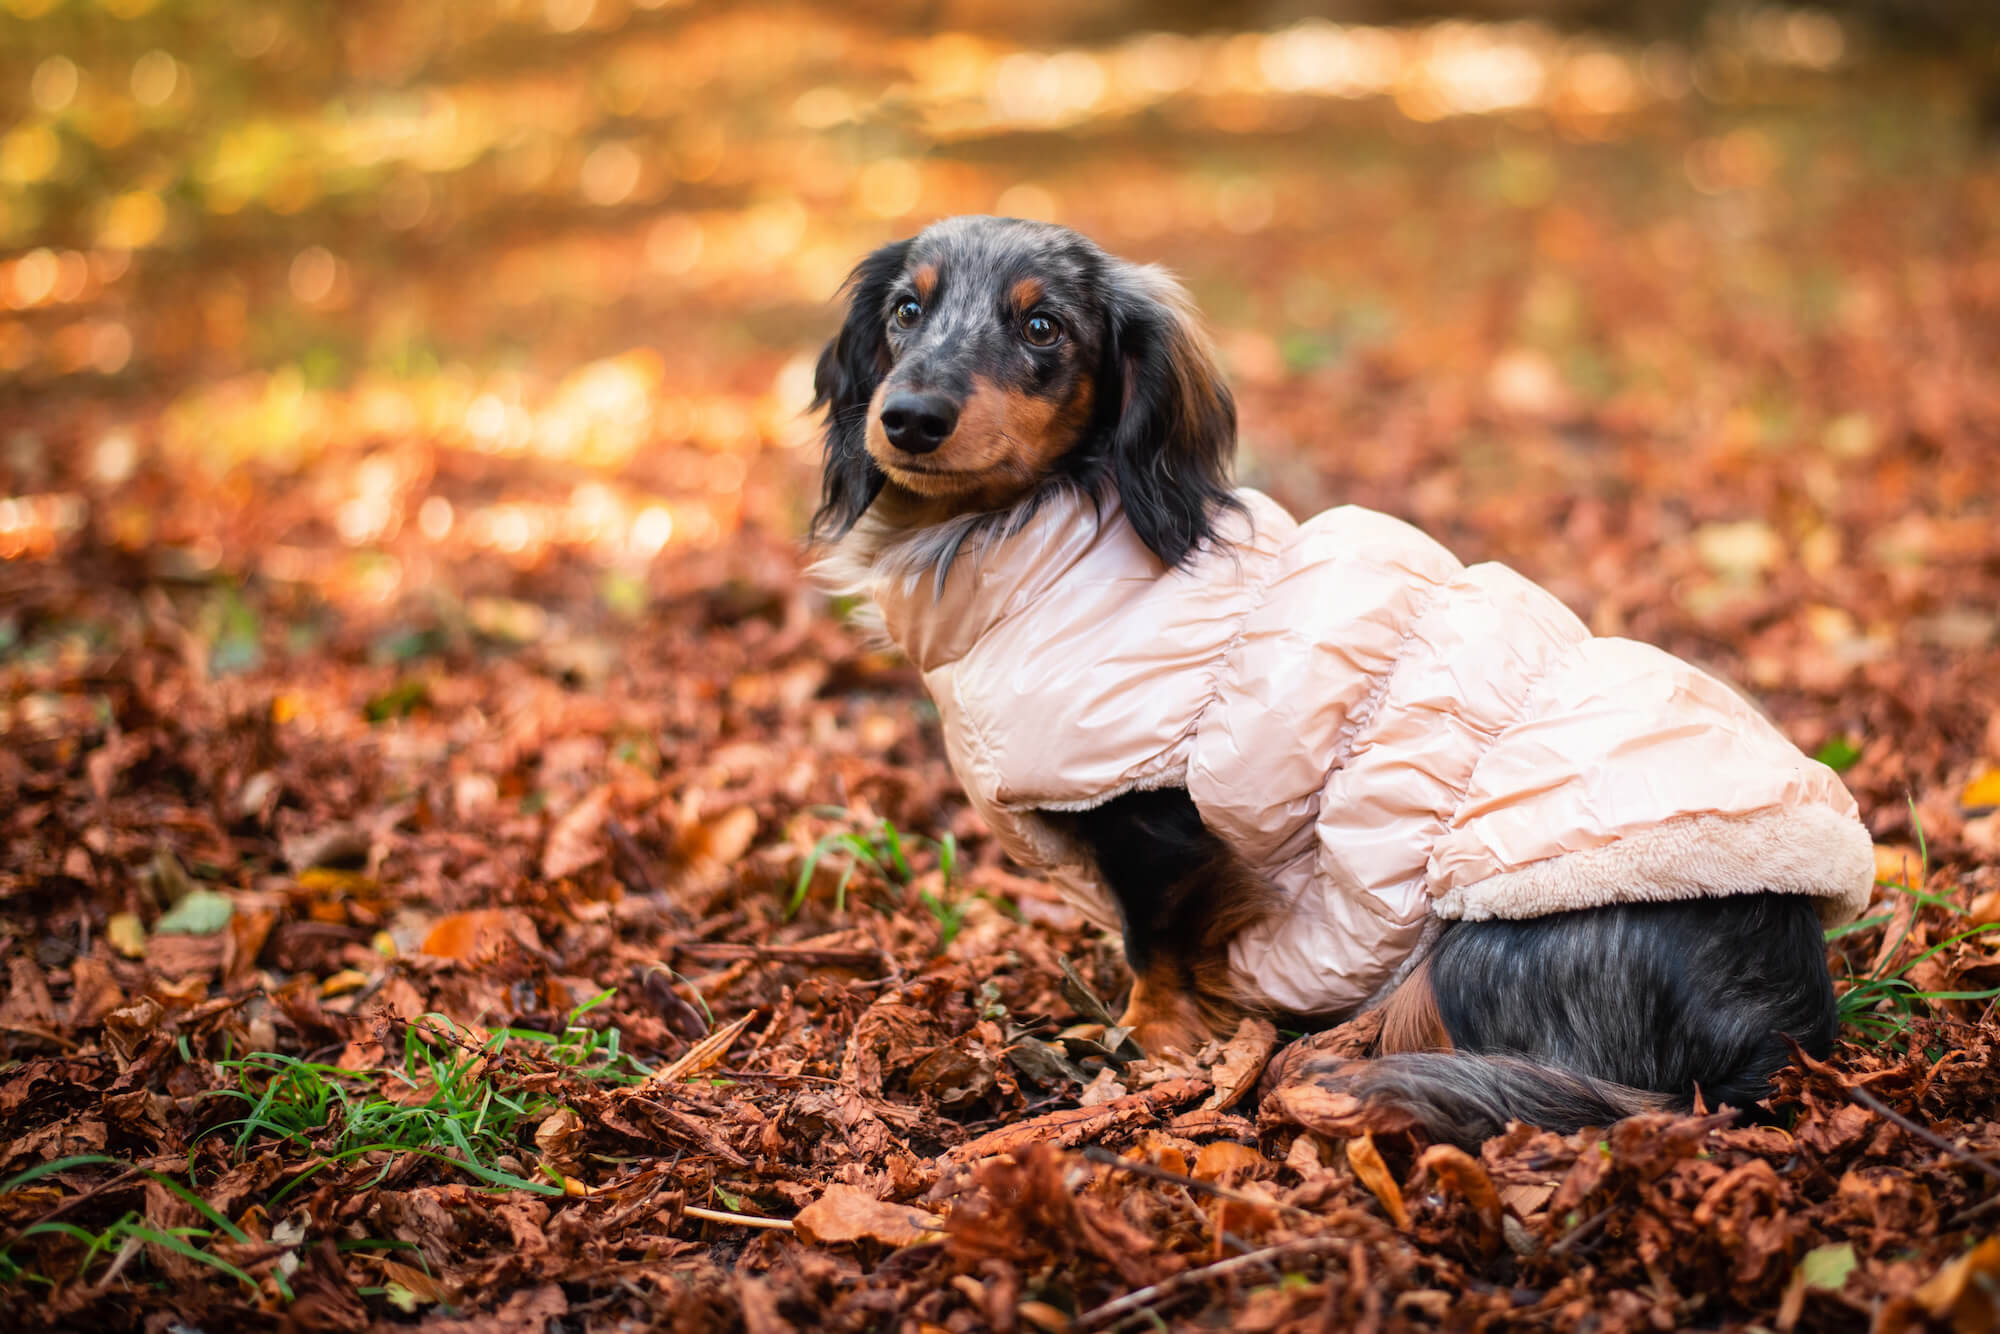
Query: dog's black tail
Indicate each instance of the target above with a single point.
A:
(1584, 1018)
(1464, 1098)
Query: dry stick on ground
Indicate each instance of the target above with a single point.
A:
(631, 858)
(1882, 1109)
(737, 1220)
(1097, 1154)
(1134, 1302)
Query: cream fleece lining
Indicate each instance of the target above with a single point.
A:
(1796, 850)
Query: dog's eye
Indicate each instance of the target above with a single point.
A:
(1041, 331)
(906, 314)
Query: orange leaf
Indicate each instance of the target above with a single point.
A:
(1366, 1160)
(1981, 792)
(1896, 864)
(1224, 1157)
(466, 935)
(1962, 1290)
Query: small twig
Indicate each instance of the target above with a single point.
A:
(44, 1034)
(1133, 1302)
(1581, 1232)
(1096, 1154)
(811, 956)
(737, 1220)
(693, 1130)
(1966, 1217)
(633, 855)
(699, 1057)
(1931, 1137)
(637, 873)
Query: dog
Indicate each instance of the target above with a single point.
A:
(1308, 770)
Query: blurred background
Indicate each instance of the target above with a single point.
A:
(1687, 310)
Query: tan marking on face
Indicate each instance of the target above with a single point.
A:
(1006, 443)
(1026, 293)
(925, 281)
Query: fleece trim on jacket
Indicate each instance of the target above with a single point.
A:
(1383, 733)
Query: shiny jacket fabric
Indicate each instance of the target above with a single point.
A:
(1384, 733)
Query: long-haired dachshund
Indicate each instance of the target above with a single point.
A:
(1283, 759)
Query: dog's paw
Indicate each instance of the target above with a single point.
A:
(1165, 1020)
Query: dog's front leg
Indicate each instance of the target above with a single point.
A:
(1182, 896)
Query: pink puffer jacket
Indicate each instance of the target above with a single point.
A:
(1386, 734)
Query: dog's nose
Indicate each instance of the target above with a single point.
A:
(918, 423)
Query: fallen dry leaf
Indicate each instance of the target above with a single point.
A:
(846, 1214)
(127, 934)
(575, 841)
(1966, 1291)
(1224, 1158)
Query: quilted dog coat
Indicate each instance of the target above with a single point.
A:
(1382, 732)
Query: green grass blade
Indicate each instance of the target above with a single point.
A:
(195, 1253)
(41, 1170)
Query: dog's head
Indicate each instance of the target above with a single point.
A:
(988, 357)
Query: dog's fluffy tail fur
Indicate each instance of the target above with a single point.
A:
(1464, 1098)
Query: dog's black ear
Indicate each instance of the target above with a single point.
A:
(844, 382)
(1174, 438)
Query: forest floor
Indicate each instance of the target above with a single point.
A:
(455, 873)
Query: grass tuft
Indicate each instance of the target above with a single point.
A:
(884, 849)
(451, 1099)
(1878, 1006)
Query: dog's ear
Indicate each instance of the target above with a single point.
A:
(1174, 438)
(844, 382)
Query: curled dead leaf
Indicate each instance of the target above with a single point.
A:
(343, 982)
(128, 1025)
(1460, 1173)
(556, 1138)
(1241, 1062)
(1366, 1160)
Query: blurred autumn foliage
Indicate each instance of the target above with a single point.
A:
(406, 674)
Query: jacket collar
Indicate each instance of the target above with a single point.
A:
(942, 589)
